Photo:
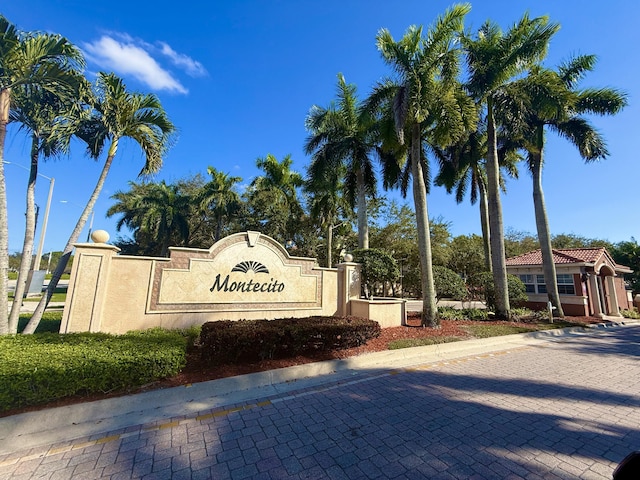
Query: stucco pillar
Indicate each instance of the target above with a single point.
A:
(87, 287)
(348, 286)
(614, 307)
(594, 291)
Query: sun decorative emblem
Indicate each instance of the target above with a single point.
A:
(245, 266)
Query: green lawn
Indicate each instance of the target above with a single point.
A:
(50, 322)
(59, 295)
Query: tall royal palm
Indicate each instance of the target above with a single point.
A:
(35, 61)
(344, 135)
(273, 197)
(219, 195)
(117, 114)
(494, 59)
(557, 104)
(427, 103)
(463, 170)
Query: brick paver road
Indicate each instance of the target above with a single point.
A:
(561, 409)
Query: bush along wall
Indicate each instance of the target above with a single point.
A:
(254, 340)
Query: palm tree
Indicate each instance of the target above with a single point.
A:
(40, 113)
(327, 203)
(157, 210)
(344, 135)
(555, 103)
(117, 114)
(428, 104)
(219, 195)
(494, 59)
(463, 169)
(27, 61)
(274, 199)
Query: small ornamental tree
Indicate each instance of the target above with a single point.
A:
(483, 283)
(448, 284)
(378, 267)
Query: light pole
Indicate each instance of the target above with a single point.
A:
(36, 261)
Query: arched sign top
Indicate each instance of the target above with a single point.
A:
(251, 239)
(245, 268)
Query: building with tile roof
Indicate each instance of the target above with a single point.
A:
(590, 282)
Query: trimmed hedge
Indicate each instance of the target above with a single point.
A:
(228, 341)
(36, 369)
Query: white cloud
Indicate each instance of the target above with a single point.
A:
(192, 67)
(125, 56)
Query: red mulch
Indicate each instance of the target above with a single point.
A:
(196, 371)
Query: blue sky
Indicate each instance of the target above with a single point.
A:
(238, 78)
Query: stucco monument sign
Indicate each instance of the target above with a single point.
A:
(243, 276)
(246, 270)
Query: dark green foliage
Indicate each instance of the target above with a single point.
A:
(628, 254)
(483, 284)
(36, 369)
(50, 322)
(466, 256)
(378, 268)
(450, 313)
(254, 340)
(448, 284)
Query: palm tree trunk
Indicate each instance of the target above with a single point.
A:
(363, 224)
(544, 238)
(496, 229)
(66, 253)
(29, 235)
(329, 244)
(429, 307)
(484, 224)
(5, 98)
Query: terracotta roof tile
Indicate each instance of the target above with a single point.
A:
(560, 256)
(565, 256)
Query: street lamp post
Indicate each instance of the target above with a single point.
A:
(36, 262)
(43, 231)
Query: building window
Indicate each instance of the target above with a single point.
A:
(535, 283)
(528, 283)
(565, 284)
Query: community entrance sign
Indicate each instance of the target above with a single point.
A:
(245, 270)
(243, 276)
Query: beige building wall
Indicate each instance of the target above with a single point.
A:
(244, 276)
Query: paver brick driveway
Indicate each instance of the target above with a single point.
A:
(563, 408)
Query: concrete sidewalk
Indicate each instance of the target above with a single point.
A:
(50, 426)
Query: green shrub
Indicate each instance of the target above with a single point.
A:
(630, 314)
(483, 282)
(448, 284)
(254, 340)
(450, 313)
(377, 267)
(39, 368)
(475, 314)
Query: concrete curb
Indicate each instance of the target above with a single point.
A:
(46, 427)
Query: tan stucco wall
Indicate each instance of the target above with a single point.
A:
(387, 312)
(116, 294)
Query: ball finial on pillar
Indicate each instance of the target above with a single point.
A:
(100, 236)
